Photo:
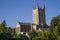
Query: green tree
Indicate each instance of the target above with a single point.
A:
(55, 27)
(47, 33)
(55, 22)
(56, 31)
(39, 34)
(21, 36)
(3, 26)
(4, 34)
(43, 35)
(13, 32)
(32, 34)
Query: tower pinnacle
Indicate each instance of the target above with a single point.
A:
(37, 5)
(33, 6)
(44, 6)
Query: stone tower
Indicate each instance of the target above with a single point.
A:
(38, 17)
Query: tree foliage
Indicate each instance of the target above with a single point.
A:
(53, 33)
(4, 34)
(55, 22)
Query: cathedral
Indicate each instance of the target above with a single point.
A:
(38, 22)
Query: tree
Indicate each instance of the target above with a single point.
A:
(32, 34)
(55, 27)
(21, 37)
(56, 31)
(55, 22)
(3, 26)
(13, 32)
(4, 34)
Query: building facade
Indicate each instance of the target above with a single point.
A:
(38, 22)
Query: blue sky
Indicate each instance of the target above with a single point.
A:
(13, 11)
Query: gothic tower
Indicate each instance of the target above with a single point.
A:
(38, 16)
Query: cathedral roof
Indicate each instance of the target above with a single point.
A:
(22, 23)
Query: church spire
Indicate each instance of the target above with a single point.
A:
(33, 6)
(37, 5)
(44, 6)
